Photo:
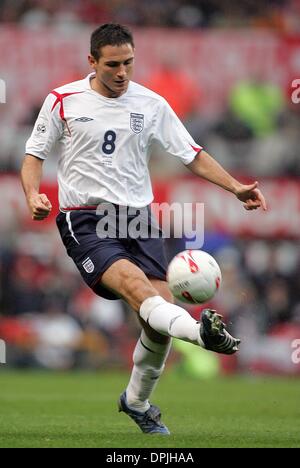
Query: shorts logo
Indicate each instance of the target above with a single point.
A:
(41, 128)
(136, 122)
(88, 265)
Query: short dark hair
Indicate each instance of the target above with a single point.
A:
(109, 34)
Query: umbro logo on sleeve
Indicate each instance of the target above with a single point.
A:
(83, 119)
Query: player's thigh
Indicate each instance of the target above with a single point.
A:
(129, 281)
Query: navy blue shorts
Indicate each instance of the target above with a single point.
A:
(93, 254)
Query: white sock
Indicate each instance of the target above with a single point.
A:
(149, 361)
(171, 320)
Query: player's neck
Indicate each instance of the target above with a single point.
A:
(102, 89)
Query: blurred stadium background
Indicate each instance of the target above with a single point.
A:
(227, 69)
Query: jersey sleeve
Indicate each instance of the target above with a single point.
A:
(47, 130)
(172, 135)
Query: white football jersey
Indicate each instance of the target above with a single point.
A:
(106, 142)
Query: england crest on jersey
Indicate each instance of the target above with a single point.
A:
(88, 265)
(136, 122)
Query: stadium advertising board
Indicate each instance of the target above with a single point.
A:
(221, 209)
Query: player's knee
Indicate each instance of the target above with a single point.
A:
(130, 284)
(163, 289)
(135, 289)
(167, 296)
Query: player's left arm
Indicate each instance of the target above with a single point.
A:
(209, 169)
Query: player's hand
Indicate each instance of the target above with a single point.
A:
(40, 207)
(251, 197)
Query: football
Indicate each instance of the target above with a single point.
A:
(194, 276)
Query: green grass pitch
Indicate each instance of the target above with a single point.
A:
(79, 410)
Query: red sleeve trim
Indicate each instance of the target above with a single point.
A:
(195, 148)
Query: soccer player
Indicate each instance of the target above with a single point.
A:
(106, 125)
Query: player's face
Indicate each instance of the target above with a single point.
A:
(113, 70)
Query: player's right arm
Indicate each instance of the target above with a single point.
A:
(47, 130)
(31, 175)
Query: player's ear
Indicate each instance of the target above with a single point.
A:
(92, 61)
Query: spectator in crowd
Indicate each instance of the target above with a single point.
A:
(177, 87)
(258, 104)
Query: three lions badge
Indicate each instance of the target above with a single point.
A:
(136, 122)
